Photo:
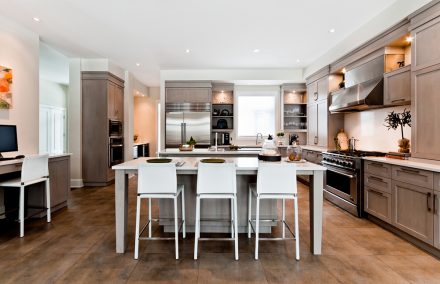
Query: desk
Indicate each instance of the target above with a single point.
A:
(59, 173)
(245, 166)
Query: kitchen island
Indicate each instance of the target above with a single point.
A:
(246, 172)
(205, 152)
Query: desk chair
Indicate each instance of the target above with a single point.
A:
(34, 170)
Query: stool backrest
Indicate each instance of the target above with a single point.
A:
(157, 178)
(35, 167)
(276, 178)
(216, 178)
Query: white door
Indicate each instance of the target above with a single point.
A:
(52, 129)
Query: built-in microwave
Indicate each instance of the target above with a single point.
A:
(115, 128)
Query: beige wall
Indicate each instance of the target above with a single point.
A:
(368, 127)
(145, 118)
(19, 50)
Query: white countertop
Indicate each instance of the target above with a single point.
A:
(314, 148)
(243, 164)
(422, 164)
(205, 151)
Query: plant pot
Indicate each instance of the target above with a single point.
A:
(404, 145)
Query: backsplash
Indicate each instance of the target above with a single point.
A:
(368, 127)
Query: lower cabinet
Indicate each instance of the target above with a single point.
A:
(377, 203)
(437, 219)
(413, 210)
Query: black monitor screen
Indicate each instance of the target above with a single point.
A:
(8, 138)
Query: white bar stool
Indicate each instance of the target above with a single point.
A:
(217, 181)
(34, 170)
(158, 181)
(274, 181)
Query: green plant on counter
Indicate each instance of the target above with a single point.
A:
(394, 120)
(191, 141)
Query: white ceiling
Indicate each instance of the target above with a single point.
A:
(221, 34)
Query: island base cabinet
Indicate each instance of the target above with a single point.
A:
(378, 204)
(413, 210)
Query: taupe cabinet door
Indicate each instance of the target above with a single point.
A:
(436, 219)
(322, 123)
(188, 95)
(312, 127)
(312, 93)
(322, 86)
(397, 87)
(413, 210)
(377, 203)
(425, 50)
(425, 111)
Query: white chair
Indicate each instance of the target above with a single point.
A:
(274, 181)
(34, 170)
(158, 181)
(217, 181)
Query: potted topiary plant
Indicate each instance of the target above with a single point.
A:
(393, 121)
(280, 138)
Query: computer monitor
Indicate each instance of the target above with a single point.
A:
(8, 138)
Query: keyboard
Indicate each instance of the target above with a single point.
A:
(6, 159)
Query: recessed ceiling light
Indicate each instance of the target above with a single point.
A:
(187, 50)
(298, 60)
(137, 92)
(409, 39)
(332, 30)
(138, 64)
(256, 50)
(36, 19)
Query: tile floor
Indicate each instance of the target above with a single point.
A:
(79, 247)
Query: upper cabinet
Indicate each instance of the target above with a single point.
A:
(425, 83)
(322, 126)
(188, 95)
(397, 87)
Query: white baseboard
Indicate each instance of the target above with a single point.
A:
(76, 183)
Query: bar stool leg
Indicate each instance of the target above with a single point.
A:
(296, 228)
(197, 223)
(249, 213)
(236, 227)
(136, 235)
(149, 217)
(176, 227)
(21, 212)
(183, 213)
(49, 218)
(257, 227)
(284, 218)
(232, 218)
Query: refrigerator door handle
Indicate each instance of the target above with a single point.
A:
(184, 133)
(181, 133)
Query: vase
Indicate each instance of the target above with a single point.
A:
(404, 145)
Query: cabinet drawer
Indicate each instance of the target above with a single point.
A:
(377, 168)
(377, 204)
(413, 176)
(437, 182)
(376, 182)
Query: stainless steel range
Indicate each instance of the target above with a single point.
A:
(343, 184)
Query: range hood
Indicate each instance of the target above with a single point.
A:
(363, 96)
(364, 88)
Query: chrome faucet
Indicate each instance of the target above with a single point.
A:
(256, 139)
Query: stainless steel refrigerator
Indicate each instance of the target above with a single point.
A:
(185, 120)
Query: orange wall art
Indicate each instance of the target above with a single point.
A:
(5, 87)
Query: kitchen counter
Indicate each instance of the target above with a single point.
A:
(246, 173)
(175, 152)
(421, 164)
(314, 148)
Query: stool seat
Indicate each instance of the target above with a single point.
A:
(217, 181)
(17, 182)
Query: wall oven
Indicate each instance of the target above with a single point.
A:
(115, 151)
(115, 128)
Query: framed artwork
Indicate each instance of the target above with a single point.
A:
(5, 87)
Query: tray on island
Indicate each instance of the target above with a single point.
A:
(213, 161)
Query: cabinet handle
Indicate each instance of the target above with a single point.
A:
(375, 191)
(428, 196)
(398, 100)
(410, 171)
(375, 178)
(315, 96)
(316, 140)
